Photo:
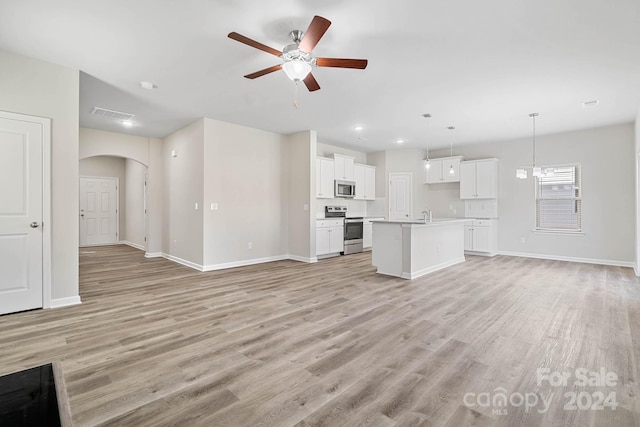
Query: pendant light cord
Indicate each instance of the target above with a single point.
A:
(533, 116)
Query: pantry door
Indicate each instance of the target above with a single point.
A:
(400, 196)
(24, 233)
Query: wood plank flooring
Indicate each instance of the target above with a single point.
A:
(334, 343)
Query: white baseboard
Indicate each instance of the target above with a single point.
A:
(183, 262)
(133, 245)
(243, 263)
(302, 259)
(154, 255)
(65, 302)
(432, 268)
(571, 259)
(222, 266)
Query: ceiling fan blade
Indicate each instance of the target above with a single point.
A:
(311, 83)
(250, 42)
(314, 33)
(263, 72)
(360, 64)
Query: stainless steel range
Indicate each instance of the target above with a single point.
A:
(353, 228)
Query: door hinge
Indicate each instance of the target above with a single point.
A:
(145, 239)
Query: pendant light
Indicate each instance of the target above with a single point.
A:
(536, 171)
(427, 162)
(451, 170)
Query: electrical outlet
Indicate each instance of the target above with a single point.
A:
(523, 240)
(250, 245)
(196, 205)
(214, 206)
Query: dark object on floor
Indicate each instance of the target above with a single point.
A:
(28, 398)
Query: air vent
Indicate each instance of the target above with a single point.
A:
(111, 114)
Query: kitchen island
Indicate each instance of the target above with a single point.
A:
(411, 249)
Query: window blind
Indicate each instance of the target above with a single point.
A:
(559, 200)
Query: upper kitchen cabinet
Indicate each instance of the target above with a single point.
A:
(324, 178)
(440, 170)
(343, 167)
(479, 179)
(365, 179)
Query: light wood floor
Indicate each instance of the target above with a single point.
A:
(333, 343)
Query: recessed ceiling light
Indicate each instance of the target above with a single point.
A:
(592, 103)
(127, 123)
(358, 128)
(399, 141)
(147, 85)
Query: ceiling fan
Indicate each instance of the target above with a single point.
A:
(297, 58)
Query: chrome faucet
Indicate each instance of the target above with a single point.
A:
(427, 214)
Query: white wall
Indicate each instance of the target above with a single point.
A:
(243, 176)
(38, 88)
(302, 149)
(637, 162)
(134, 203)
(109, 166)
(183, 189)
(608, 200)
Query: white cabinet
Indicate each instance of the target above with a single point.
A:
(329, 236)
(440, 170)
(324, 178)
(481, 235)
(343, 167)
(479, 179)
(367, 232)
(365, 179)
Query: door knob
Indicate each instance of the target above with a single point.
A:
(34, 224)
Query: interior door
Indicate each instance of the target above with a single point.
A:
(98, 211)
(400, 196)
(21, 214)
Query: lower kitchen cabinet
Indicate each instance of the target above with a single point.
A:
(481, 237)
(329, 236)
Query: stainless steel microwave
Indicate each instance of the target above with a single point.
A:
(346, 189)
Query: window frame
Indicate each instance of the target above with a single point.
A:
(577, 198)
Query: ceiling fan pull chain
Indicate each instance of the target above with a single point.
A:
(295, 94)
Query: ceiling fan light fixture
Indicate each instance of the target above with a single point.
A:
(296, 70)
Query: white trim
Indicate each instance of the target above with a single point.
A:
(154, 255)
(558, 232)
(570, 259)
(133, 245)
(431, 269)
(302, 259)
(234, 264)
(244, 263)
(476, 253)
(183, 262)
(65, 302)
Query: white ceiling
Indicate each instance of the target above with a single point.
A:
(479, 66)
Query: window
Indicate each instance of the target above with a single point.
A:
(559, 199)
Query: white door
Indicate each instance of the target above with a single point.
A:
(21, 213)
(98, 211)
(400, 196)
